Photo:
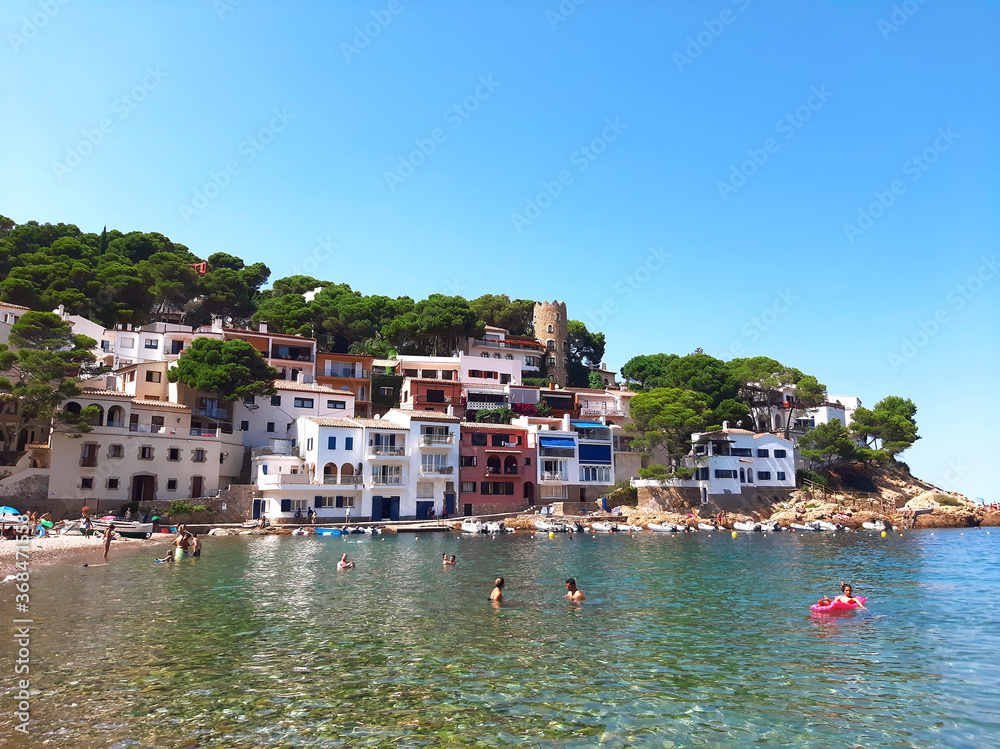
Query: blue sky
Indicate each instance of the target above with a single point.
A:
(815, 182)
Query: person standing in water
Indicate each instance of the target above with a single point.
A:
(497, 593)
(195, 545)
(108, 532)
(343, 564)
(572, 592)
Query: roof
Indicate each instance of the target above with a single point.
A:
(15, 306)
(326, 421)
(267, 334)
(545, 441)
(342, 357)
(728, 431)
(427, 416)
(494, 329)
(98, 391)
(334, 421)
(162, 404)
(310, 387)
(487, 425)
(432, 380)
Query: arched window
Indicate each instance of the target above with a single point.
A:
(510, 465)
(550, 344)
(550, 329)
(493, 464)
(116, 416)
(330, 473)
(743, 476)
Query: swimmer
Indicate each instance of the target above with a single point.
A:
(343, 564)
(452, 561)
(572, 592)
(848, 596)
(497, 593)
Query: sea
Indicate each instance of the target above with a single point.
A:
(684, 640)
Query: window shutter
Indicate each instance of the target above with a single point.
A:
(484, 487)
(318, 502)
(286, 505)
(331, 443)
(509, 486)
(340, 501)
(348, 443)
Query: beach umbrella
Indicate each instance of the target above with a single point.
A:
(8, 511)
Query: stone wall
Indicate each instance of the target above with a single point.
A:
(25, 488)
(492, 508)
(669, 498)
(575, 508)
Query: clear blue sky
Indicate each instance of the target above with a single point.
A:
(763, 263)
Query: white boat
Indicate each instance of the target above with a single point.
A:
(812, 526)
(666, 528)
(708, 527)
(474, 526)
(301, 532)
(126, 528)
(601, 527)
(550, 527)
(878, 525)
(831, 527)
(739, 525)
(630, 528)
(771, 526)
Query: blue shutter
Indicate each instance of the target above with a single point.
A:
(286, 505)
(348, 443)
(318, 502)
(331, 443)
(263, 469)
(340, 501)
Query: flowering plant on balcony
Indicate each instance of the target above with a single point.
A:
(524, 409)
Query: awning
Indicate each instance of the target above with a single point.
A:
(556, 442)
(588, 424)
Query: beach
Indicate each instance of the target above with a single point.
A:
(73, 548)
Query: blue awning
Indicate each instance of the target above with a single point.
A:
(587, 424)
(556, 442)
(595, 454)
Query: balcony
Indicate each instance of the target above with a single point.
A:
(485, 406)
(259, 452)
(424, 398)
(554, 476)
(386, 451)
(355, 481)
(289, 356)
(88, 461)
(504, 472)
(148, 429)
(360, 374)
(437, 440)
(204, 431)
(284, 479)
(602, 412)
(387, 480)
(211, 412)
(426, 470)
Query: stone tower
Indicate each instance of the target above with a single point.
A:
(551, 329)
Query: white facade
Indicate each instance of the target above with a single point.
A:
(263, 418)
(433, 440)
(610, 405)
(728, 460)
(557, 448)
(469, 370)
(496, 343)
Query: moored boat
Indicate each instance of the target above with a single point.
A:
(126, 528)
(879, 525)
(329, 532)
(708, 527)
(666, 528)
(473, 526)
(740, 525)
(831, 527)
(811, 526)
(602, 527)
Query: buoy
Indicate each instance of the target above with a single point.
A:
(883, 534)
(734, 534)
(900, 535)
(551, 534)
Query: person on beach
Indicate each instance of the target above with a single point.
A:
(311, 515)
(572, 592)
(128, 514)
(497, 593)
(848, 596)
(108, 533)
(343, 564)
(195, 545)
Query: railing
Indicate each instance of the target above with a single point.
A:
(343, 480)
(147, 429)
(485, 406)
(436, 440)
(204, 431)
(290, 357)
(386, 451)
(212, 413)
(553, 476)
(88, 461)
(354, 375)
(387, 480)
(424, 399)
(426, 470)
(258, 452)
(278, 479)
(602, 412)
(553, 492)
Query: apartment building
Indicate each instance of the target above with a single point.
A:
(497, 470)
(350, 372)
(262, 418)
(497, 343)
(293, 356)
(442, 396)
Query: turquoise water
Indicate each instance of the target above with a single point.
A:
(691, 640)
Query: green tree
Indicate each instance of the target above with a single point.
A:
(890, 427)
(647, 371)
(288, 314)
(437, 326)
(40, 369)
(595, 381)
(763, 383)
(828, 444)
(667, 417)
(585, 348)
(229, 369)
(499, 311)
(296, 285)
(496, 416)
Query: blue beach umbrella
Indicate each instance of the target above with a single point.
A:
(8, 511)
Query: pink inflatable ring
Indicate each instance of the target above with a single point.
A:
(837, 606)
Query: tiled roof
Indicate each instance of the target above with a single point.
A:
(15, 306)
(98, 391)
(267, 334)
(326, 421)
(162, 404)
(369, 423)
(486, 425)
(342, 357)
(434, 381)
(432, 416)
(310, 387)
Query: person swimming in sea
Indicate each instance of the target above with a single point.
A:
(497, 593)
(848, 596)
(343, 564)
(572, 592)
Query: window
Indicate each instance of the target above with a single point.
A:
(112, 483)
(781, 475)
(270, 426)
(720, 474)
(298, 504)
(385, 391)
(275, 400)
(467, 461)
(475, 373)
(425, 489)
(435, 396)
(173, 453)
(763, 475)
(171, 485)
(485, 355)
(550, 344)
(88, 458)
(479, 439)
(763, 453)
(448, 374)
(116, 451)
(527, 461)
(779, 453)
(436, 463)
(331, 443)
(152, 343)
(348, 443)
(504, 379)
(500, 440)
(153, 376)
(303, 402)
(429, 374)
(249, 400)
(596, 473)
(199, 456)
(244, 426)
(127, 343)
(551, 362)
(409, 373)
(700, 449)
(509, 356)
(145, 452)
(337, 404)
(701, 474)
(87, 483)
(468, 487)
(496, 487)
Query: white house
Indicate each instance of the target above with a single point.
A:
(498, 344)
(260, 419)
(558, 463)
(433, 440)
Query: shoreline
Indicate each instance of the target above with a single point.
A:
(50, 550)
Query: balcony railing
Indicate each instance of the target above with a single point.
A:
(386, 451)
(601, 412)
(387, 480)
(204, 431)
(148, 429)
(485, 406)
(89, 461)
(275, 354)
(426, 470)
(437, 440)
(553, 476)
(281, 479)
(258, 452)
(211, 413)
(424, 398)
(354, 375)
(343, 480)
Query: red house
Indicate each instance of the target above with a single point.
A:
(496, 469)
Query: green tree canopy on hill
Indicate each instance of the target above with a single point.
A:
(228, 369)
(667, 417)
(500, 311)
(585, 348)
(828, 444)
(890, 427)
(762, 385)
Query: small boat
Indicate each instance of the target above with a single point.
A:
(879, 525)
(301, 532)
(126, 528)
(708, 527)
(633, 528)
(770, 526)
(831, 527)
(497, 527)
(604, 527)
(666, 528)
(811, 526)
(550, 527)
(739, 525)
(329, 532)
(473, 526)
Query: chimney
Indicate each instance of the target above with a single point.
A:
(451, 411)
(216, 324)
(565, 423)
(62, 310)
(262, 327)
(725, 426)
(552, 386)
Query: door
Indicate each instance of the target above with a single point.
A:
(256, 509)
(376, 508)
(424, 510)
(467, 509)
(394, 508)
(196, 487)
(142, 488)
(449, 503)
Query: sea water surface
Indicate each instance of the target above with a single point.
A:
(684, 640)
